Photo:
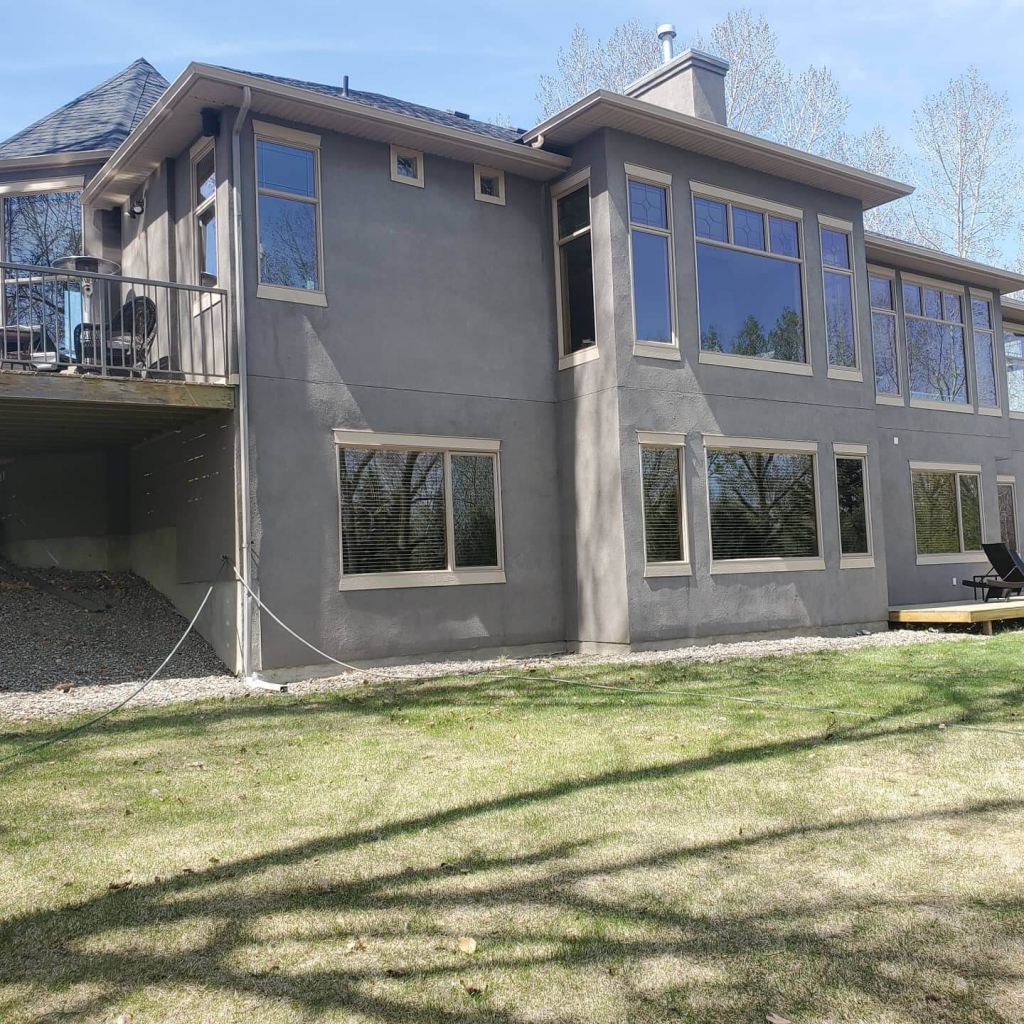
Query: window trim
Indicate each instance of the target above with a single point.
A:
(16, 189)
(660, 179)
(719, 442)
(985, 296)
(1008, 480)
(448, 446)
(941, 286)
(864, 560)
(957, 469)
(660, 439)
(701, 190)
(876, 271)
(845, 227)
(199, 150)
(1016, 329)
(270, 132)
(481, 171)
(559, 189)
(404, 179)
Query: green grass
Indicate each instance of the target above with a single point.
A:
(616, 856)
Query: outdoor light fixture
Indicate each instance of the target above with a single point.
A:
(137, 209)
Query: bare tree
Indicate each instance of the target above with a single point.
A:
(876, 151)
(970, 187)
(811, 112)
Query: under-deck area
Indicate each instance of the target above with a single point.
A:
(959, 613)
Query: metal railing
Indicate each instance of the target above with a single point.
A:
(79, 322)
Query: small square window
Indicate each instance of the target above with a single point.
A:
(407, 166)
(489, 185)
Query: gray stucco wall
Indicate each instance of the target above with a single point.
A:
(439, 321)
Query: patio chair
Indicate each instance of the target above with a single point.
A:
(1006, 578)
(128, 338)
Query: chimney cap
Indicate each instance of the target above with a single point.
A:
(666, 31)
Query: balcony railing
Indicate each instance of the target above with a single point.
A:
(78, 322)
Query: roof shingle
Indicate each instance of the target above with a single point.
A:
(99, 119)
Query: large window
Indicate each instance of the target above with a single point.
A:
(661, 474)
(650, 242)
(749, 281)
(288, 214)
(418, 511)
(984, 352)
(881, 291)
(574, 254)
(762, 497)
(840, 307)
(204, 212)
(1006, 490)
(854, 515)
(947, 512)
(934, 318)
(1013, 346)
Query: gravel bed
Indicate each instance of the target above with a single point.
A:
(62, 660)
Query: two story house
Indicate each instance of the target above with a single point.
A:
(628, 379)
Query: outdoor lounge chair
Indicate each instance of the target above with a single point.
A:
(1006, 578)
(128, 338)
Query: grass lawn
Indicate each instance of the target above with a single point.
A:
(615, 856)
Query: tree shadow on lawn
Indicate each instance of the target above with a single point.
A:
(912, 971)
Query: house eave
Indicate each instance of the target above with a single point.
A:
(159, 135)
(931, 262)
(602, 109)
(48, 161)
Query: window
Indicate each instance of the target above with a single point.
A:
(947, 512)
(1006, 490)
(661, 475)
(984, 352)
(934, 321)
(1013, 346)
(418, 511)
(204, 212)
(854, 515)
(651, 254)
(407, 166)
(882, 296)
(749, 282)
(575, 268)
(41, 221)
(762, 499)
(288, 214)
(840, 307)
(490, 185)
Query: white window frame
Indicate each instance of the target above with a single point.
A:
(480, 172)
(942, 286)
(447, 446)
(957, 469)
(559, 190)
(204, 145)
(660, 439)
(717, 442)
(659, 179)
(700, 190)
(404, 179)
(842, 227)
(888, 272)
(980, 295)
(843, 450)
(1018, 330)
(269, 132)
(1005, 480)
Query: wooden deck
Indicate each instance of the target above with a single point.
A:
(949, 612)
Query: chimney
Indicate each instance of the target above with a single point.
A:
(692, 83)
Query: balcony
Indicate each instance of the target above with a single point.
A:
(89, 359)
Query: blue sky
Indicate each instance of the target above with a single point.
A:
(485, 58)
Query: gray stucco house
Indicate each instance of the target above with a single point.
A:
(628, 379)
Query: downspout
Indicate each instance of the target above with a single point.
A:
(243, 382)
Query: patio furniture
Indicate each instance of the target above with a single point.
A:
(125, 343)
(1006, 578)
(27, 345)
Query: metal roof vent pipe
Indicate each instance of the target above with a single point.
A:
(666, 33)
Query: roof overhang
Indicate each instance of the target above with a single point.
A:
(49, 161)
(173, 123)
(931, 262)
(603, 109)
(1013, 311)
